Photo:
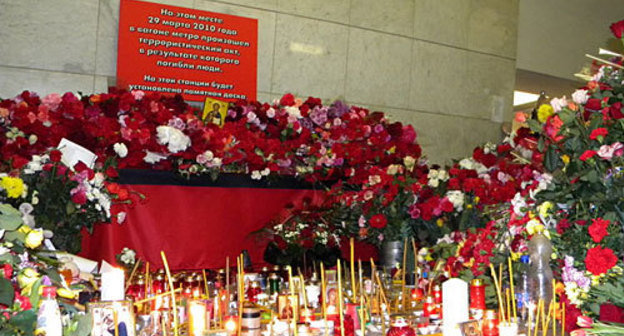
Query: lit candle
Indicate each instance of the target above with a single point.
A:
(197, 317)
(231, 324)
(112, 288)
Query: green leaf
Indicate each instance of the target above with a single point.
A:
(80, 325)
(15, 236)
(567, 116)
(552, 161)
(7, 294)
(535, 125)
(52, 274)
(10, 219)
(25, 321)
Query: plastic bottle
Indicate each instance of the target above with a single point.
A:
(522, 287)
(49, 315)
(540, 273)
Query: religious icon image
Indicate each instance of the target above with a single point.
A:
(214, 111)
(470, 328)
(112, 318)
(287, 307)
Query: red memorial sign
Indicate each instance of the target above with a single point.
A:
(197, 54)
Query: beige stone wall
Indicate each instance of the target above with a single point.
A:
(446, 66)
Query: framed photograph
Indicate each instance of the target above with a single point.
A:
(288, 307)
(108, 316)
(470, 328)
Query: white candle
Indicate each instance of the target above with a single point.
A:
(112, 283)
(454, 305)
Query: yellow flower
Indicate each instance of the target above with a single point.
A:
(534, 226)
(66, 293)
(34, 238)
(24, 229)
(14, 186)
(565, 158)
(26, 278)
(476, 199)
(545, 209)
(515, 256)
(440, 222)
(543, 112)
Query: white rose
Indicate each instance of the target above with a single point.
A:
(270, 113)
(293, 111)
(121, 149)
(580, 96)
(558, 103)
(151, 157)
(457, 198)
(175, 139)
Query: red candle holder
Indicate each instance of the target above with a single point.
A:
(489, 325)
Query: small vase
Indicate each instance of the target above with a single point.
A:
(391, 254)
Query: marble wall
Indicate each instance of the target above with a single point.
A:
(446, 66)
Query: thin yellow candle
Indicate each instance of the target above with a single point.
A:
(360, 275)
(563, 321)
(538, 311)
(548, 316)
(147, 284)
(324, 297)
(152, 298)
(352, 264)
(508, 304)
(241, 294)
(173, 299)
(544, 325)
(404, 268)
(205, 284)
(498, 292)
(340, 312)
(227, 275)
(530, 320)
(303, 291)
(362, 322)
(513, 293)
(116, 322)
(554, 305)
(134, 269)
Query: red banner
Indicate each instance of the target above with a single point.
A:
(197, 227)
(195, 53)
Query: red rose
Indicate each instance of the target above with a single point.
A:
(112, 172)
(611, 313)
(23, 301)
(287, 100)
(79, 198)
(378, 221)
(7, 270)
(598, 229)
(17, 162)
(615, 111)
(600, 131)
(617, 29)
(600, 260)
(593, 104)
(588, 154)
(55, 155)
